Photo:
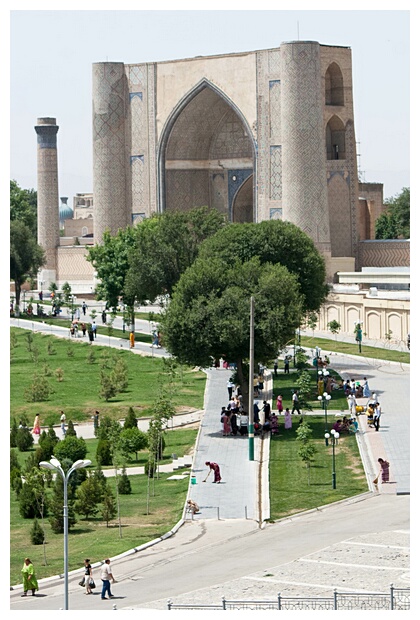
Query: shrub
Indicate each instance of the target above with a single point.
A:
(124, 484)
(71, 448)
(39, 390)
(59, 373)
(108, 389)
(37, 533)
(27, 502)
(70, 432)
(104, 453)
(90, 357)
(24, 439)
(130, 420)
(13, 433)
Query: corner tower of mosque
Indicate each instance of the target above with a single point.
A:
(258, 135)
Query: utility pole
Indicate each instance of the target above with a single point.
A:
(251, 383)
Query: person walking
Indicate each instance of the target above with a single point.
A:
(243, 428)
(29, 578)
(103, 317)
(63, 422)
(286, 365)
(216, 469)
(84, 306)
(90, 334)
(230, 386)
(275, 367)
(132, 340)
(96, 423)
(279, 403)
(94, 329)
(295, 401)
(88, 577)
(37, 426)
(83, 326)
(107, 577)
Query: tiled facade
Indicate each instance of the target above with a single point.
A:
(199, 131)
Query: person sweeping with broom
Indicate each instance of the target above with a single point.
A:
(216, 469)
(383, 472)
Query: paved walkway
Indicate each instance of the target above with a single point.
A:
(223, 506)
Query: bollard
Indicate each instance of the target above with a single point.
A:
(218, 515)
(246, 513)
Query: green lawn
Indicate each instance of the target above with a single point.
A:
(290, 491)
(353, 349)
(78, 393)
(91, 538)
(285, 384)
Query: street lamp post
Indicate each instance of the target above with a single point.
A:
(325, 398)
(55, 465)
(334, 440)
(251, 382)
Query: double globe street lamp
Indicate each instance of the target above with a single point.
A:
(334, 440)
(325, 398)
(55, 465)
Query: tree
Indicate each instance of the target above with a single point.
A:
(334, 327)
(307, 449)
(166, 244)
(130, 420)
(394, 223)
(88, 495)
(23, 207)
(274, 242)
(37, 533)
(210, 309)
(111, 261)
(72, 448)
(109, 507)
(132, 440)
(26, 256)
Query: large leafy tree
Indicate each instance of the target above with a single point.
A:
(166, 244)
(274, 242)
(23, 206)
(26, 256)
(394, 223)
(210, 309)
(111, 262)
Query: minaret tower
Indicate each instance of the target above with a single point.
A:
(47, 192)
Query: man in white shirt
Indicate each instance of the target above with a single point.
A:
(106, 577)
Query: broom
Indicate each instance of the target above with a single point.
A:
(376, 479)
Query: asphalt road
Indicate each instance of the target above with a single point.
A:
(208, 559)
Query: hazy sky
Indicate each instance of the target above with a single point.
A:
(52, 51)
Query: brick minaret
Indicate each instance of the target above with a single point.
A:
(47, 191)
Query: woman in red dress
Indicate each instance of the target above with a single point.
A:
(214, 467)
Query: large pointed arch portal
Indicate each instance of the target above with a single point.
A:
(206, 153)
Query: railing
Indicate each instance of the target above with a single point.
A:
(396, 599)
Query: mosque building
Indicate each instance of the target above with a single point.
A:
(260, 135)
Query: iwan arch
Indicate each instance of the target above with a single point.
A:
(258, 135)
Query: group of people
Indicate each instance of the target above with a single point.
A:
(90, 329)
(357, 389)
(30, 581)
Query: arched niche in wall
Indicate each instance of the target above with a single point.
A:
(203, 141)
(335, 138)
(333, 314)
(394, 326)
(334, 89)
(373, 325)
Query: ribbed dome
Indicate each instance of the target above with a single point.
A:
(65, 212)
